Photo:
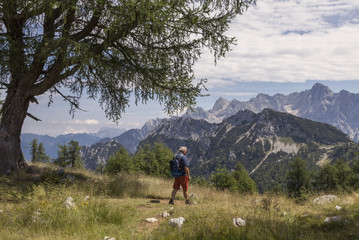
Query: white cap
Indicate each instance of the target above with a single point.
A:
(183, 148)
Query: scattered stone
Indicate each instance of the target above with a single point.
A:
(325, 199)
(284, 213)
(176, 222)
(1, 210)
(239, 222)
(193, 195)
(155, 201)
(36, 216)
(86, 198)
(69, 203)
(338, 208)
(151, 220)
(109, 238)
(333, 219)
(165, 214)
(190, 201)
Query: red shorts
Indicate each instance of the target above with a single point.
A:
(181, 181)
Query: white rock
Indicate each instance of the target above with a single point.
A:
(176, 222)
(325, 199)
(69, 203)
(151, 220)
(109, 238)
(333, 219)
(36, 216)
(165, 214)
(338, 208)
(1, 210)
(86, 198)
(239, 222)
(193, 195)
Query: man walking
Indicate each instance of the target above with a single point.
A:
(183, 176)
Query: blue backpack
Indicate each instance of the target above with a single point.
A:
(176, 170)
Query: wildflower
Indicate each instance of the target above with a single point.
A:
(43, 203)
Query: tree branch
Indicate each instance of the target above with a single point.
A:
(33, 117)
(69, 100)
(4, 84)
(90, 25)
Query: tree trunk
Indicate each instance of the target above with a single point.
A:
(13, 116)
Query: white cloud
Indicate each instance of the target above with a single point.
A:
(86, 122)
(77, 122)
(234, 94)
(70, 129)
(290, 41)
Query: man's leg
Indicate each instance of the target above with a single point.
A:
(174, 194)
(185, 190)
(185, 194)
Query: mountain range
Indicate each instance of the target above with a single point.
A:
(91, 142)
(318, 104)
(263, 142)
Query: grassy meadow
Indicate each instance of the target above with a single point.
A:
(32, 207)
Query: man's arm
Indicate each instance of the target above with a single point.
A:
(186, 170)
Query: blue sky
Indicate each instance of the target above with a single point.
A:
(283, 46)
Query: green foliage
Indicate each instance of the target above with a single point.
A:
(238, 181)
(69, 155)
(200, 180)
(38, 153)
(222, 179)
(154, 159)
(344, 173)
(339, 176)
(245, 184)
(354, 181)
(298, 183)
(101, 168)
(120, 162)
(326, 178)
(149, 159)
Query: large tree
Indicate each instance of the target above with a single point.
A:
(108, 49)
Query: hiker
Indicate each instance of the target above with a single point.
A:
(180, 170)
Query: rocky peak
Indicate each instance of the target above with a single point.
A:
(241, 118)
(220, 104)
(320, 92)
(149, 126)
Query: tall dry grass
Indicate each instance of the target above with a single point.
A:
(32, 207)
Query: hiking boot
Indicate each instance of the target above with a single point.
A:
(188, 201)
(171, 202)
